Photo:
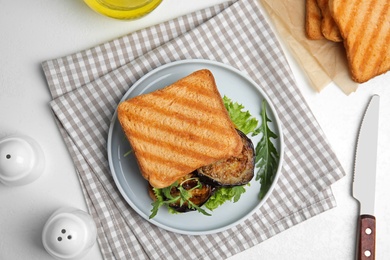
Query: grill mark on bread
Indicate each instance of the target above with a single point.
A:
(164, 163)
(352, 13)
(350, 26)
(379, 62)
(160, 166)
(169, 104)
(195, 143)
(210, 136)
(182, 91)
(182, 110)
(362, 31)
(148, 148)
(186, 112)
(366, 62)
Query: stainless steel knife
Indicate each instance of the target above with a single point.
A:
(364, 179)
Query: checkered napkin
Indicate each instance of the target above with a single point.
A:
(87, 86)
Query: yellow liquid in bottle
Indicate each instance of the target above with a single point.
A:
(123, 9)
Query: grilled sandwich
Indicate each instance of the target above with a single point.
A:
(179, 128)
(365, 28)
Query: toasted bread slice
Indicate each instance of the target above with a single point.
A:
(328, 26)
(175, 130)
(365, 27)
(313, 20)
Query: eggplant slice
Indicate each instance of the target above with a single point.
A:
(199, 196)
(232, 171)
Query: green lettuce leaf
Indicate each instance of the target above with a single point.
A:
(243, 120)
(224, 194)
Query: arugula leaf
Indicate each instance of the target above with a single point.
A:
(127, 153)
(158, 202)
(243, 120)
(266, 154)
(224, 194)
(165, 197)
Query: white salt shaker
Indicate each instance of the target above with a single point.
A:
(69, 234)
(21, 160)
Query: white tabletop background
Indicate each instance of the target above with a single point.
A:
(34, 31)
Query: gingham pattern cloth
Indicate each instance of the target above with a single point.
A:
(87, 86)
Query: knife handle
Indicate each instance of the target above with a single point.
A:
(366, 242)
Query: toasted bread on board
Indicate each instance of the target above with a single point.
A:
(365, 27)
(313, 20)
(175, 130)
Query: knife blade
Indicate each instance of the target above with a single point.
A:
(363, 188)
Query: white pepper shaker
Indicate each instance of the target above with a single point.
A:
(22, 160)
(69, 234)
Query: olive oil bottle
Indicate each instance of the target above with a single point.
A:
(123, 9)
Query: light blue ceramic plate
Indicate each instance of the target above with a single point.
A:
(133, 187)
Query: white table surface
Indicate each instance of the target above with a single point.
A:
(34, 31)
